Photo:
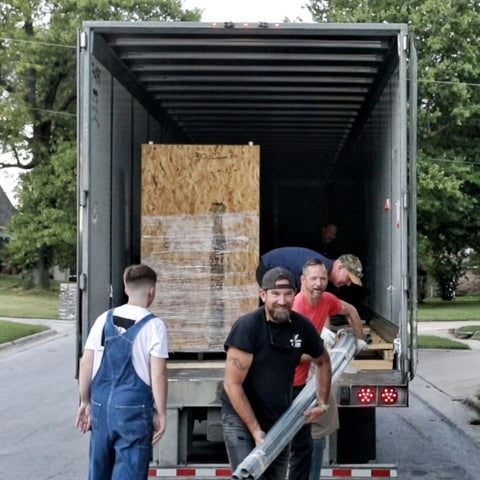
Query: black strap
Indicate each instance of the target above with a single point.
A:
(125, 323)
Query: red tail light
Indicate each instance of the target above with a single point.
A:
(388, 395)
(366, 395)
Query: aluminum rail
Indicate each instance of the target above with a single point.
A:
(280, 435)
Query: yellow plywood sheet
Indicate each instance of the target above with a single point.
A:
(200, 232)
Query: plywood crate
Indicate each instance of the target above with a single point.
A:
(200, 233)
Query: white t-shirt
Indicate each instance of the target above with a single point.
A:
(151, 340)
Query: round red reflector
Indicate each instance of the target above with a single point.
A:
(389, 395)
(366, 395)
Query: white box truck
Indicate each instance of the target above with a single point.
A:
(330, 110)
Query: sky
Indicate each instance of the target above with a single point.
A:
(214, 11)
(250, 10)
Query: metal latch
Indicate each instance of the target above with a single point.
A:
(82, 281)
(83, 198)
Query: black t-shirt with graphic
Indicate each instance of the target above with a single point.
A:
(276, 348)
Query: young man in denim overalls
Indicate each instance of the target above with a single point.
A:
(122, 379)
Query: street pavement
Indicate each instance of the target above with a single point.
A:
(449, 380)
(455, 372)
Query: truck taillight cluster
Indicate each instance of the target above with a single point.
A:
(373, 396)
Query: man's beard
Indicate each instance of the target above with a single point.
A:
(279, 315)
(316, 293)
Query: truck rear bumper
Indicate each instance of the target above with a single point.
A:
(219, 472)
(191, 472)
(360, 471)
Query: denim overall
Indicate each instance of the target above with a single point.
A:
(121, 411)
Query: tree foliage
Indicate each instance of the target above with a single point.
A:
(44, 228)
(447, 37)
(38, 113)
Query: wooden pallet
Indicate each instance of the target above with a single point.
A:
(378, 356)
(379, 345)
(372, 364)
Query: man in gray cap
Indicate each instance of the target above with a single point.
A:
(263, 349)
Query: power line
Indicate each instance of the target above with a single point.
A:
(446, 82)
(446, 160)
(56, 112)
(47, 44)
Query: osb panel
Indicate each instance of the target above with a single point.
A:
(193, 179)
(205, 254)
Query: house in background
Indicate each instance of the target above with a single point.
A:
(7, 211)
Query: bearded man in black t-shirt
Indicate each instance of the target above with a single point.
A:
(263, 349)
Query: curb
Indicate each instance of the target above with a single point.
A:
(28, 339)
(473, 402)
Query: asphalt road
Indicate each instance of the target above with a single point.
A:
(38, 399)
(426, 443)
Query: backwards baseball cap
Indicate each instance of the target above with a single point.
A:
(354, 267)
(271, 277)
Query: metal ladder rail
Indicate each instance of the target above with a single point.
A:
(280, 435)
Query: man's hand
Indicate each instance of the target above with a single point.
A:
(83, 418)
(315, 412)
(328, 337)
(159, 427)
(259, 437)
(361, 345)
(84, 381)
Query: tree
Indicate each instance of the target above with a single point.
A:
(44, 227)
(448, 198)
(447, 37)
(37, 114)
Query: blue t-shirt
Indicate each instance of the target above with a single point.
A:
(276, 349)
(293, 259)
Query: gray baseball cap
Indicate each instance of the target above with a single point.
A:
(271, 277)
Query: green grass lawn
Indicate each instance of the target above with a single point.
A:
(10, 331)
(462, 308)
(432, 341)
(435, 309)
(17, 302)
(469, 329)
